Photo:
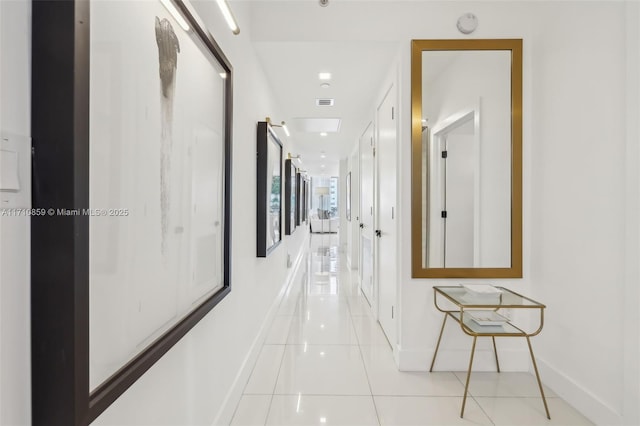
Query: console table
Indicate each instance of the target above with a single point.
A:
(477, 310)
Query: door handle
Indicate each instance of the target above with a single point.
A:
(378, 233)
(362, 226)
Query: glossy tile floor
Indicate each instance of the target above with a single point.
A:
(326, 361)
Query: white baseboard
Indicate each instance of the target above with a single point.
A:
(458, 360)
(588, 404)
(227, 410)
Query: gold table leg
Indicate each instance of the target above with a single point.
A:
(535, 368)
(495, 352)
(433, 361)
(466, 386)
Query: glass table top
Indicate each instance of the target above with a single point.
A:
(485, 296)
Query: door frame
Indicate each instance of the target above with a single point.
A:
(372, 298)
(437, 138)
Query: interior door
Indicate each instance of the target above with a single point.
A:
(366, 213)
(386, 233)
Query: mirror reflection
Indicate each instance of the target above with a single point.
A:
(467, 146)
(466, 97)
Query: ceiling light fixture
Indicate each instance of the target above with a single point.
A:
(325, 85)
(176, 15)
(323, 133)
(324, 76)
(228, 16)
(284, 126)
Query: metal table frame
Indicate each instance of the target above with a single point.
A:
(504, 300)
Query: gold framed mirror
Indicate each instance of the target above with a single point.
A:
(466, 158)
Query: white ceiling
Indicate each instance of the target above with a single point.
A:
(358, 70)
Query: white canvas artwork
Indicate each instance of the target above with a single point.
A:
(157, 169)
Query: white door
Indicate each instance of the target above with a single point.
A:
(386, 230)
(366, 214)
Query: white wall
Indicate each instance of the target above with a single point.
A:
(201, 378)
(580, 187)
(632, 225)
(15, 105)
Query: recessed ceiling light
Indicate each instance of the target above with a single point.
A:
(324, 76)
(322, 166)
(325, 85)
(323, 156)
(323, 133)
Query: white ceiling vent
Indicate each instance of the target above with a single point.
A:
(324, 102)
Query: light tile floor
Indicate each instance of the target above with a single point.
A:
(326, 361)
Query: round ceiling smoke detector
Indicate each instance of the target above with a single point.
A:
(324, 3)
(467, 23)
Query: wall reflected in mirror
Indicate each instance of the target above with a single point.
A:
(466, 135)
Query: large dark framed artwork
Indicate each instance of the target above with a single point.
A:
(290, 181)
(131, 126)
(348, 197)
(299, 198)
(269, 190)
(307, 199)
(304, 200)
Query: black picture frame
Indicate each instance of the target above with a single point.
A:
(304, 199)
(290, 195)
(348, 197)
(269, 190)
(60, 275)
(299, 198)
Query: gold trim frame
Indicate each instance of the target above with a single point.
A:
(417, 189)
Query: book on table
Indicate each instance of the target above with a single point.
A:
(485, 317)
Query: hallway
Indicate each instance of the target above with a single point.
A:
(327, 361)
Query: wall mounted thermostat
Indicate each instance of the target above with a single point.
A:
(467, 23)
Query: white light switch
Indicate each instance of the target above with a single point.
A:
(15, 171)
(9, 171)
